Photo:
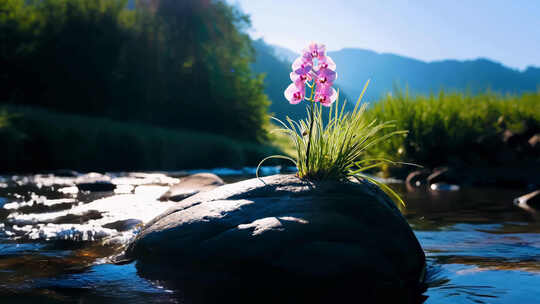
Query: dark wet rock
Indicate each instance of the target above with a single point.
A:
(335, 239)
(519, 175)
(444, 175)
(524, 143)
(509, 137)
(531, 199)
(41, 208)
(3, 212)
(534, 143)
(418, 178)
(78, 218)
(65, 173)
(504, 155)
(3, 201)
(94, 182)
(123, 225)
(98, 186)
(514, 140)
(191, 185)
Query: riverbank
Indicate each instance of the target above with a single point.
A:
(466, 133)
(484, 140)
(37, 140)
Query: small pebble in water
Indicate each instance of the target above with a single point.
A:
(443, 187)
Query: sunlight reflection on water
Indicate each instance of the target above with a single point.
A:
(480, 247)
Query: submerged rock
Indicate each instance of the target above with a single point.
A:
(94, 182)
(417, 178)
(123, 225)
(284, 237)
(444, 175)
(529, 200)
(3, 201)
(98, 186)
(534, 143)
(191, 185)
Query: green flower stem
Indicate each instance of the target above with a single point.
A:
(312, 87)
(309, 138)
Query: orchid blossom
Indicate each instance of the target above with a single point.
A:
(325, 94)
(318, 72)
(315, 70)
(296, 91)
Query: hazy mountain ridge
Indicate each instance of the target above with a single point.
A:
(284, 54)
(276, 80)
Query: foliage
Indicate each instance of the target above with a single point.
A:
(176, 64)
(452, 127)
(337, 148)
(90, 144)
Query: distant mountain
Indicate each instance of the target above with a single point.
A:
(388, 71)
(284, 54)
(276, 80)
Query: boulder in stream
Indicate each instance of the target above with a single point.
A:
(284, 239)
(191, 185)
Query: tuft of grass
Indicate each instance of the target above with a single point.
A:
(338, 144)
(279, 140)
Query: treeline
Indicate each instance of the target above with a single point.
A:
(175, 64)
(38, 140)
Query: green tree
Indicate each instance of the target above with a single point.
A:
(180, 64)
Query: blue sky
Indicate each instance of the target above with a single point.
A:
(504, 31)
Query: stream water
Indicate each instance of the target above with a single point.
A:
(55, 241)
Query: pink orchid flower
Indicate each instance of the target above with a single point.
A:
(326, 63)
(325, 94)
(317, 50)
(301, 66)
(325, 77)
(296, 92)
(312, 65)
(303, 77)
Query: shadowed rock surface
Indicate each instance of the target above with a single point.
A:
(94, 182)
(123, 225)
(285, 236)
(191, 185)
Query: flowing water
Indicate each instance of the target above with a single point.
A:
(55, 241)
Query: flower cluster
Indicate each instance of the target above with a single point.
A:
(316, 70)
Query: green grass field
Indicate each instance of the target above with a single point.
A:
(453, 128)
